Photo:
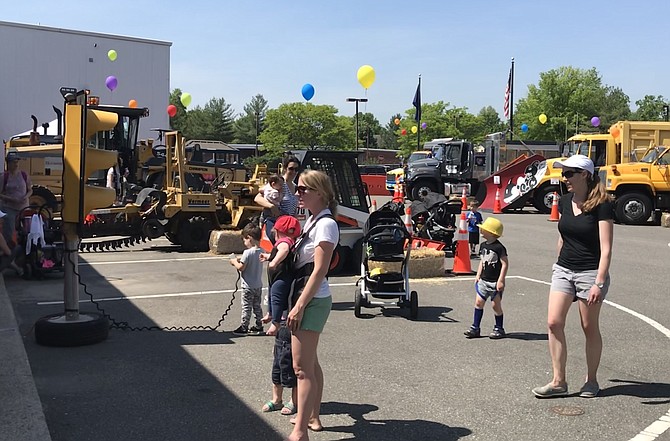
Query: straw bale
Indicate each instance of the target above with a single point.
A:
(423, 263)
(226, 241)
(665, 220)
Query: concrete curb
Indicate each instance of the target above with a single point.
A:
(22, 417)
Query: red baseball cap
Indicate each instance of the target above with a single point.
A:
(288, 225)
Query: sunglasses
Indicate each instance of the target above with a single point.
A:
(292, 168)
(301, 189)
(570, 173)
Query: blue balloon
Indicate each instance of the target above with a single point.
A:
(307, 91)
(524, 127)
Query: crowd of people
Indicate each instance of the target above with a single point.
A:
(300, 299)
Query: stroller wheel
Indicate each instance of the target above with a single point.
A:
(358, 302)
(413, 305)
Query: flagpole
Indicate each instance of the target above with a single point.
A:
(511, 101)
(418, 123)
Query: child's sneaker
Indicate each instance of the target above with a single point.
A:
(256, 330)
(472, 332)
(242, 330)
(497, 333)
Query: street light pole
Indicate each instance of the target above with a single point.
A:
(357, 100)
(257, 116)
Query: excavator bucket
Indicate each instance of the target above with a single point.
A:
(517, 180)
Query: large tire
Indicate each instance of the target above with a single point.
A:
(193, 233)
(338, 262)
(633, 208)
(358, 303)
(413, 305)
(357, 257)
(54, 330)
(543, 198)
(172, 238)
(421, 187)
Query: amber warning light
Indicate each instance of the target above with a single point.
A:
(93, 100)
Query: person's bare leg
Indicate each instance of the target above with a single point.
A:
(314, 419)
(304, 345)
(590, 316)
(559, 305)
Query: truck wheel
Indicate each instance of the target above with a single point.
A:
(633, 208)
(172, 238)
(54, 330)
(193, 233)
(421, 188)
(544, 197)
(337, 263)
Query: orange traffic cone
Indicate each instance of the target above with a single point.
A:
(497, 208)
(408, 221)
(396, 194)
(462, 254)
(554, 209)
(464, 200)
(401, 193)
(374, 205)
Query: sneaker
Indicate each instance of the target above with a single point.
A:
(472, 333)
(242, 330)
(589, 390)
(549, 391)
(497, 333)
(256, 330)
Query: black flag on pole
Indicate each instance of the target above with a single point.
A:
(417, 103)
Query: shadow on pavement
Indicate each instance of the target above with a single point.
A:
(137, 385)
(640, 389)
(528, 336)
(371, 429)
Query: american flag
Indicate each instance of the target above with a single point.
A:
(508, 90)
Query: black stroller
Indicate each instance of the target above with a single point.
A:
(387, 242)
(436, 218)
(40, 241)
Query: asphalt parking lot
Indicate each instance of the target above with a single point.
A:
(386, 377)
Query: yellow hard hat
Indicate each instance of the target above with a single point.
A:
(492, 225)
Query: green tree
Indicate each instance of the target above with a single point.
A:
(179, 121)
(569, 97)
(250, 123)
(389, 137)
(305, 125)
(650, 108)
(616, 107)
(214, 121)
(489, 122)
(368, 127)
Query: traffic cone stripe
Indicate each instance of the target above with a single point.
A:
(464, 200)
(462, 255)
(554, 217)
(497, 208)
(408, 221)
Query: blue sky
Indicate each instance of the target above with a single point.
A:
(462, 49)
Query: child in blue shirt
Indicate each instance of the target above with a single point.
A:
(474, 218)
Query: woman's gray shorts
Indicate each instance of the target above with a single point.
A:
(576, 283)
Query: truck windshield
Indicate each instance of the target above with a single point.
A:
(576, 147)
(653, 154)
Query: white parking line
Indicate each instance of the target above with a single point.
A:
(127, 262)
(650, 433)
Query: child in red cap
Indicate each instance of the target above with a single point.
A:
(280, 279)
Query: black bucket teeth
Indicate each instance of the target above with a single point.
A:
(112, 244)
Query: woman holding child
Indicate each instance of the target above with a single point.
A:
(288, 203)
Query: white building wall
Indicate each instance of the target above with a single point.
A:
(37, 61)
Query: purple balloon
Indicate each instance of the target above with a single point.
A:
(111, 82)
(424, 125)
(595, 121)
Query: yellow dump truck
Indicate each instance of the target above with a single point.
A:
(626, 141)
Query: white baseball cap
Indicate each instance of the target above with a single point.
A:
(2, 214)
(576, 161)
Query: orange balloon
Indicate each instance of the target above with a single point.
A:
(396, 121)
(132, 104)
(614, 131)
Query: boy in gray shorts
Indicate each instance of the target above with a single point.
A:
(251, 269)
(490, 279)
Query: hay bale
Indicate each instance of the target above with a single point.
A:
(423, 263)
(226, 241)
(665, 220)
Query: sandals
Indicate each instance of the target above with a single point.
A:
(288, 409)
(271, 406)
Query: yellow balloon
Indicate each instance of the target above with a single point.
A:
(366, 76)
(542, 118)
(414, 129)
(111, 54)
(186, 99)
